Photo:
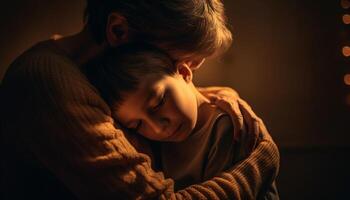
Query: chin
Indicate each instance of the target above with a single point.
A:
(183, 136)
(180, 138)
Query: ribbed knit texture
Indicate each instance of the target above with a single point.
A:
(50, 112)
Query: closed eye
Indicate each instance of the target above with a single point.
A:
(160, 103)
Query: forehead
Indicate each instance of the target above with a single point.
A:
(136, 101)
(147, 85)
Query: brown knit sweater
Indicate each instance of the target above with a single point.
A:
(53, 119)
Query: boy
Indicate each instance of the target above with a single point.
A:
(150, 95)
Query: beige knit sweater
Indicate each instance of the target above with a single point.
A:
(52, 116)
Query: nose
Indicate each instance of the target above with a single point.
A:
(158, 125)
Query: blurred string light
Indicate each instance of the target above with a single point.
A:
(347, 79)
(346, 19)
(346, 51)
(345, 4)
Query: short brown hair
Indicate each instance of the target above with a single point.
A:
(120, 70)
(195, 27)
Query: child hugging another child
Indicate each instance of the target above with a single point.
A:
(152, 95)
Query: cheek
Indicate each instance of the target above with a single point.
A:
(186, 105)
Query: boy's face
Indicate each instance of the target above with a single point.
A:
(163, 108)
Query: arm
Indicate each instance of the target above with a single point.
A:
(68, 128)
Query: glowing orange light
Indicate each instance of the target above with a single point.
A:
(346, 19)
(347, 79)
(56, 36)
(346, 51)
(345, 4)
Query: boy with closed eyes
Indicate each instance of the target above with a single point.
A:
(151, 95)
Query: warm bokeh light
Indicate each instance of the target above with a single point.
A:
(346, 19)
(347, 79)
(56, 36)
(345, 4)
(346, 51)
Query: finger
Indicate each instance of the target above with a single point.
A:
(253, 123)
(211, 89)
(264, 133)
(212, 98)
(238, 117)
(219, 91)
(206, 92)
(228, 92)
(220, 95)
(255, 136)
(247, 107)
(200, 89)
(249, 136)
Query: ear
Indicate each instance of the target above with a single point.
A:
(195, 63)
(116, 29)
(185, 71)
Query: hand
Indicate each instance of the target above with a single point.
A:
(241, 113)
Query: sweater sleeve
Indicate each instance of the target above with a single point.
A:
(60, 118)
(245, 179)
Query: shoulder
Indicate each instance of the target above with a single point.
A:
(42, 67)
(45, 76)
(39, 60)
(222, 147)
(221, 132)
(222, 126)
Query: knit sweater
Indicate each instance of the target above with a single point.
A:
(54, 120)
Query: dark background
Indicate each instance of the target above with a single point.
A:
(286, 61)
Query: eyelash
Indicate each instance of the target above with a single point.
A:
(160, 103)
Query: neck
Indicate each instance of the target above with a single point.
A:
(81, 47)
